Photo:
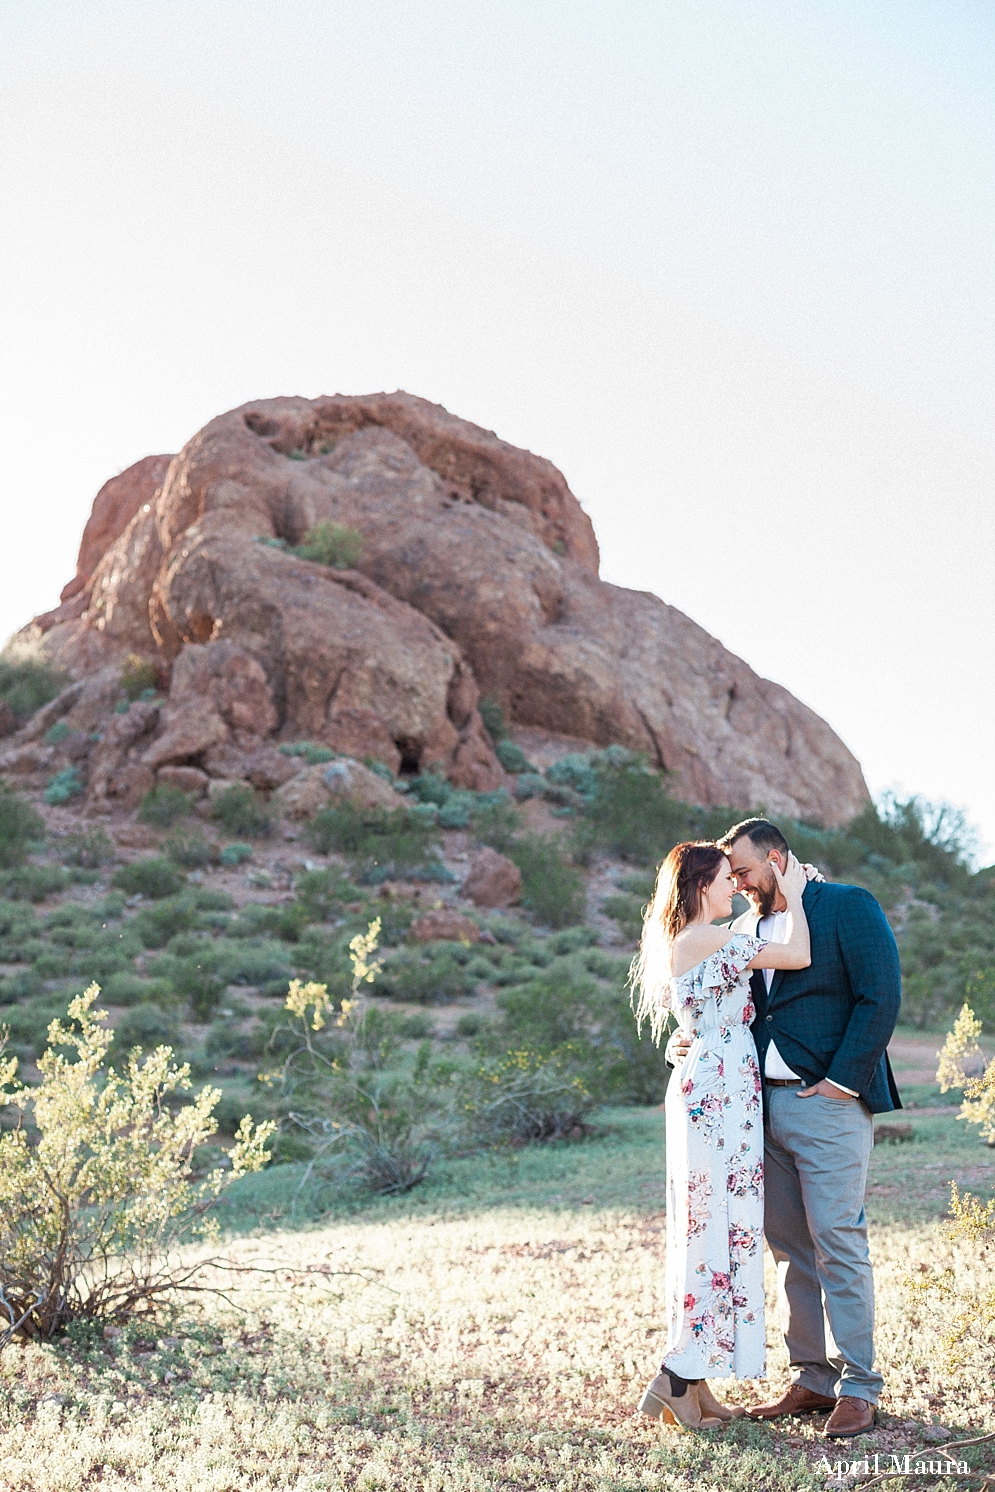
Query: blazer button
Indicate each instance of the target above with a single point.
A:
(770, 1017)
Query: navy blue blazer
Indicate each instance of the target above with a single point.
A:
(835, 1018)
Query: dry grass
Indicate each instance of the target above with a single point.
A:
(493, 1336)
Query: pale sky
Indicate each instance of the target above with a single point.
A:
(728, 265)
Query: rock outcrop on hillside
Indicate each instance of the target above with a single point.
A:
(479, 576)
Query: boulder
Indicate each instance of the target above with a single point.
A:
(444, 926)
(314, 788)
(493, 881)
(114, 506)
(117, 777)
(259, 762)
(187, 779)
(479, 574)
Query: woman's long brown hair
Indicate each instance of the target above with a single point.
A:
(682, 880)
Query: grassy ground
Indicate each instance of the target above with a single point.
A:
(490, 1331)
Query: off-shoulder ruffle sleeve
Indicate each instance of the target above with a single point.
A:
(725, 967)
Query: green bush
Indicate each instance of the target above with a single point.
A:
(57, 733)
(629, 813)
(241, 811)
(190, 848)
(434, 974)
(378, 842)
(492, 715)
(33, 882)
(496, 820)
(19, 826)
(236, 854)
(311, 753)
(331, 544)
(171, 915)
(88, 848)
(138, 676)
(26, 684)
(146, 1026)
(128, 988)
(154, 877)
(163, 805)
(512, 757)
(64, 786)
(551, 888)
(525, 1097)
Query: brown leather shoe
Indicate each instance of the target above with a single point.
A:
(850, 1417)
(795, 1400)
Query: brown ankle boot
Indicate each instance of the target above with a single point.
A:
(710, 1405)
(661, 1402)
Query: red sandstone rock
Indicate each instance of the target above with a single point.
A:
(444, 926)
(315, 787)
(187, 779)
(493, 881)
(114, 506)
(480, 569)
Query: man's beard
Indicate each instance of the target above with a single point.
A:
(765, 895)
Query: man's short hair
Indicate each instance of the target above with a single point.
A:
(761, 833)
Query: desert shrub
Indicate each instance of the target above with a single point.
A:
(93, 1212)
(962, 1065)
(23, 985)
(331, 544)
(129, 988)
(552, 889)
(190, 848)
(195, 981)
(430, 787)
(627, 911)
(470, 1024)
(416, 1027)
(241, 811)
(250, 962)
(629, 813)
(254, 918)
(138, 676)
(377, 842)
(210, 899)
(19, 826)
(156, 925)
(163, 805)
(434, 974)
(311, 753)
(565, 1007)
(236, 854)
(32, 882)
(228, 1039)
(492, 715)
(57, 733)
(87, 848)
(28, 1021)
(64, 786)
(496, 820)
(511, 757)
(146, 1025)
(457, 812)
(28, 683)
(155, 877)
(524, 1097)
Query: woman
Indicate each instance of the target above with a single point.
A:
(715, 1272)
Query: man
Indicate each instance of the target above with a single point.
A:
(822, 1035)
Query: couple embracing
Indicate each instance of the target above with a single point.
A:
(784, 1017)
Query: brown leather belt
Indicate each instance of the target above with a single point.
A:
(784, 1082)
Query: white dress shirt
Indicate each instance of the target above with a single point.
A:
(773, 929)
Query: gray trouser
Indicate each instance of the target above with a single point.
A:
(815, 1163)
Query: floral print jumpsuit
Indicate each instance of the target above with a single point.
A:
(715, 1175)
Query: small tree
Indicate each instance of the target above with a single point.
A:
(963, 1065)
(964, 1310)
(97, 1198)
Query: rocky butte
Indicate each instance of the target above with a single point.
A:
(478, 578)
